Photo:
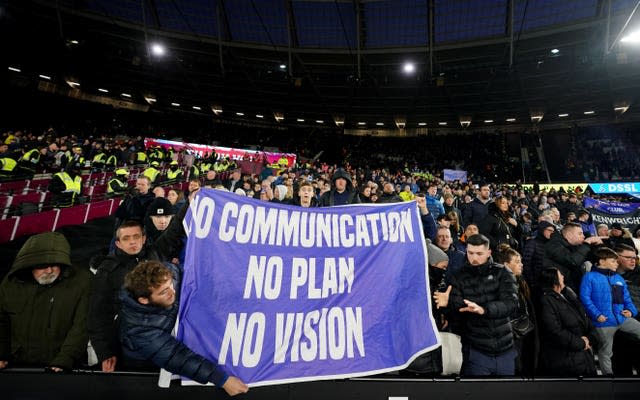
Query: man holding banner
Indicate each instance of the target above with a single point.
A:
(149, 312)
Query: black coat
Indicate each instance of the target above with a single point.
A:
(563, 323)
(496, 228)
(474, 212)
(492, 287)
(567, 258)
(533, 260)
(105, 303)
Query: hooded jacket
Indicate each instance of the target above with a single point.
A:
(44, 325)
(329, 198)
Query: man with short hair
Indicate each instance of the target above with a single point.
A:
(568, 252)
(135, 207)
(619, 235)
(43, 307)
(149, 312)
(482, 297)
(433, 203)
(626, 350)
(105, 304)
(475, 211)
(235, 181)
(445, 243)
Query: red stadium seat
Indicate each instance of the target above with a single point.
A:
(99, 191)
(7, 227)
(14, 187)
(35, 198)
(36, 223)
(76, 215)
(99, 209)
(40, 185)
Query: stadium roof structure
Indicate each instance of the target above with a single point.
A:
(476, 63)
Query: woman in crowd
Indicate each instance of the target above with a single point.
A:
(523, 321)
(176, 198)
(567, 335)
(499, 225)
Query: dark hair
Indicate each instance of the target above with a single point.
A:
(443, 216)
(505, 253)
(141, 280)
(549, 278)
(570, 225)
(624, 247)
(129, 224)
(478, 240)
(602, 253)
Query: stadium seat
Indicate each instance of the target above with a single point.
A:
(7, 227)
(99, 209)
(40, 185)
(20, 201)
(14, 187)
(36, 223)
(75, 215)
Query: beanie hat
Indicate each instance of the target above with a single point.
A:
(544, 225)
(43, 249)
(282, 191)
(436, 255)
(160, 206)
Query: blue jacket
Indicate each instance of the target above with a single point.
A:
(434, 206)
(145, 334)
(597, 292)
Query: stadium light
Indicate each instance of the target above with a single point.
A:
(14, 69)
(442, 123)
(127, 95)
(217, 110)
(409, 68)
(150, 100)
(103, 90)
(196, 108)
(47, 77)
(422, 124)
(511, 120)
(175, 104)
(555, 51)
(158, 50)
(633, 37)
(563, 115)
(590, 112)
(259, 116)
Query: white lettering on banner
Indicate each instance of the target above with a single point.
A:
(257, 275)
(317, 334)
(599, 218)
(202, 209)
(335, 279)
(244, 337)
(249, 224)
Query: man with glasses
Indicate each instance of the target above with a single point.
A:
(626, 351)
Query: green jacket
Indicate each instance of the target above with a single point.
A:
(44, 325)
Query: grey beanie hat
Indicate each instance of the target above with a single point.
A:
(435, 254)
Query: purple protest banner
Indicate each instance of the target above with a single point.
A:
(281, 294)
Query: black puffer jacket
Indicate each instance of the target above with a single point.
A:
(145, 333)
(493, 287)
(495, 227)
(563, 323)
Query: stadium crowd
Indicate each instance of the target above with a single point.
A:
(523, 276)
